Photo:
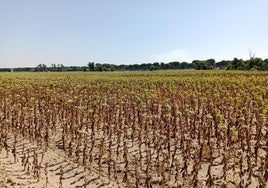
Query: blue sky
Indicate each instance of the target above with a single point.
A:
(127, 32)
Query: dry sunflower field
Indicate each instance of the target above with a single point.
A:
(134, 129)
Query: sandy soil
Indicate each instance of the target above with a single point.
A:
(13, 174)
(56, 167)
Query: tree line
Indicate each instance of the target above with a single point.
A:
(209, 64)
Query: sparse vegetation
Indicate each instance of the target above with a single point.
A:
(138, 129)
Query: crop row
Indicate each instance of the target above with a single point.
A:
(161, 129)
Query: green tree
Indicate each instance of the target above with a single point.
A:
(201, 65)
(99, 67)
(91, 66)
(211, 63)
(164, 66)
(174, 65)
(236, 64)
(184, 65)
(265, 64)
(41, 67)
(222, 64)
(258, 64)
(156, 65)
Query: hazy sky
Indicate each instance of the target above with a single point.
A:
(127, 32)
